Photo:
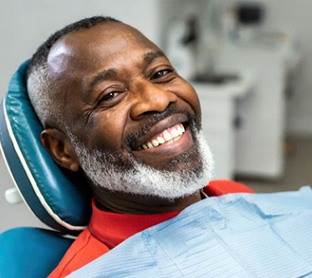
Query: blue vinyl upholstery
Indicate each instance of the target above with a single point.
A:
(30, 252)
(59, 198)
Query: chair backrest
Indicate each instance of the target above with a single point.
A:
(30, 252)
(59, 198)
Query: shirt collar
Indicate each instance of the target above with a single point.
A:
(112, 228)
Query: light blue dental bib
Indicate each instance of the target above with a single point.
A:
(235, 235)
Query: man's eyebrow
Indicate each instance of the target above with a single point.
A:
(151, 56)
(104, 75)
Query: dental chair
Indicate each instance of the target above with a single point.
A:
(59, 198)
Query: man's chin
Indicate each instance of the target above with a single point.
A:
(162, 186)
(180, 176)
(183, 176)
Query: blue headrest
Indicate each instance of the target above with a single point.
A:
(58, 197)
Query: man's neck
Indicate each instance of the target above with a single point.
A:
(141, 204)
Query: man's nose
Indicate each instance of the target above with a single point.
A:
(150, 98)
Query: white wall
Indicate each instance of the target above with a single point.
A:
(25, 24)
(294, 17)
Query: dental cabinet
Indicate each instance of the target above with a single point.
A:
(219, 116)
(260, 139)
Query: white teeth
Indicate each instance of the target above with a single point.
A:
(161, 140)
(165, 137)
(174, 133)
(155, 143)
(181, 129)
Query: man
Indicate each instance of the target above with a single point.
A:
(113, 107)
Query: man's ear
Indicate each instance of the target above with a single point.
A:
(61, 149)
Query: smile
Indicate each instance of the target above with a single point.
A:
(167, 136)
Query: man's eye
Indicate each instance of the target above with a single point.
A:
(110, 96)
(161, 73)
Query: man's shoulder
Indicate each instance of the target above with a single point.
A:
(222, 186)
(85, 249)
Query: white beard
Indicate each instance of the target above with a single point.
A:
(143, 179)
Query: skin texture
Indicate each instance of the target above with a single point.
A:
(119, 91)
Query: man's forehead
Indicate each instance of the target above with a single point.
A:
(84, 45)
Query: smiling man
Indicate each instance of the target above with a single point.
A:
(113, 107)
